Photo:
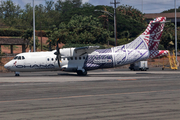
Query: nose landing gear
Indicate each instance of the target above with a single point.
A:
(17, 74)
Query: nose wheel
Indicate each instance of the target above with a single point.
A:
(17, 74)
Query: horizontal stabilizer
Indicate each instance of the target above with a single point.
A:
(157, 53)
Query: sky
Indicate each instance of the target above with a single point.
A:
(145, 6)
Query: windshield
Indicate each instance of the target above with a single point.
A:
(15, 57)
(19, 58)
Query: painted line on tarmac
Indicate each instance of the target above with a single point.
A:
(125, 79)
(65, 79)
(136, 72)
(84, 96)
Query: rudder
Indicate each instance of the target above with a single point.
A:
(153, 32)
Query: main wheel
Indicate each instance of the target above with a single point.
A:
(16, 74)
(81, 73)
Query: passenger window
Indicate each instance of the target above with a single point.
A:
(48, 59)
(83, 57)
(75, 58)
(67, 58)
(80, 58)
(63, 58)
(15, 57)
(19, 57)
(52, 59)
(71, 58)
(23, 57)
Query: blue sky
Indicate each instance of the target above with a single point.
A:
(147, 6)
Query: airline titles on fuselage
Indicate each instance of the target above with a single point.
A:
(35, 66)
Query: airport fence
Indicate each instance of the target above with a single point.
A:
(3, 61)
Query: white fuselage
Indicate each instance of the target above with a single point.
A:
(73, 61)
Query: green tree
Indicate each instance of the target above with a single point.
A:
(27, 17)
(131, 20)
(167, 36)
(66, 9)
(40, 18)
(80, 30)
(27, 37)
(10, 12)
(31, 43)
(0, 56)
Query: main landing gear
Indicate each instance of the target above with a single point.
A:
(81, 73)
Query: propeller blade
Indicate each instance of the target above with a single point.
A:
(58, 61)
(58, 55)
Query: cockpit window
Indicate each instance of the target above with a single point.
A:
(15, 57)
(19, 57)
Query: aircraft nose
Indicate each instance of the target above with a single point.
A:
(7, 66)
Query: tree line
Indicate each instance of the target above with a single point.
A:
(74, 23)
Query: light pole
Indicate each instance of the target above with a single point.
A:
(34, 43)
(115, 29)
(175, 30)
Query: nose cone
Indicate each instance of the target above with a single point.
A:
(7, 66)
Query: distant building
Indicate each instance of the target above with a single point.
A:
(169, 17)
(13, 41)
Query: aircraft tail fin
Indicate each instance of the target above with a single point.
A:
(150, 38)
(153, 32)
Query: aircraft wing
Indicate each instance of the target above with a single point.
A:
(84, 50)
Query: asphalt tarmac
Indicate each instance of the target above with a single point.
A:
(112, 94)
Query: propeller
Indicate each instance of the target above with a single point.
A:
(58, 54)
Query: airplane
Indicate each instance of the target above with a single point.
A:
(83, 59)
